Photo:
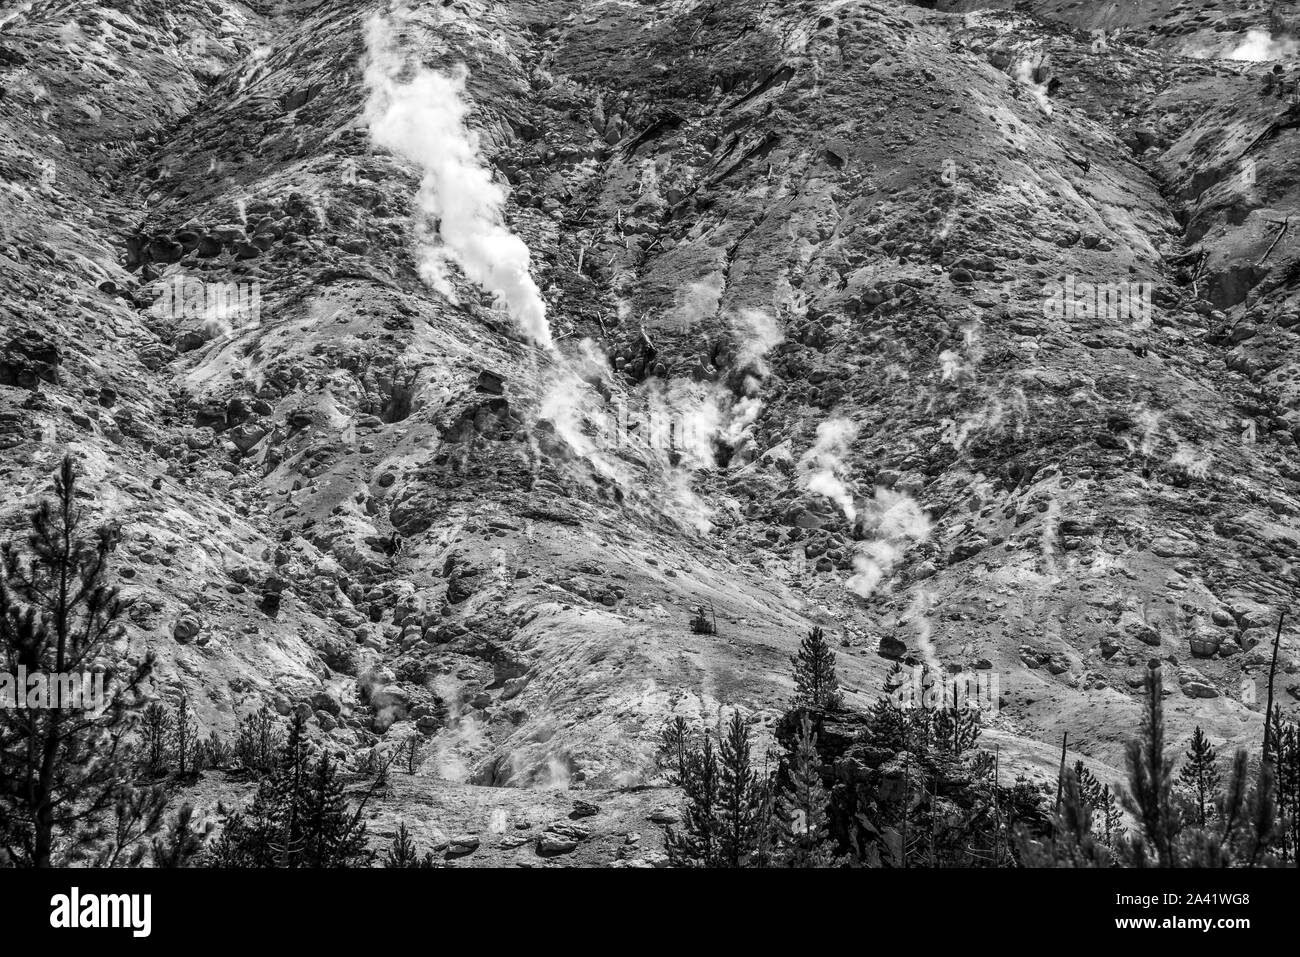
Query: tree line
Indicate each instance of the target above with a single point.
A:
(909, 786)
(894, 785)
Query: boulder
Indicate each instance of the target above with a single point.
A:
(665, 814)
(462, 844)
(187, 628)
(1205, 643)
(892, 647)
(561, 837)
(327, 701)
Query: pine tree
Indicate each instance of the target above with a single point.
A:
(122, 840)
(740, 798)
(1200, 774)
(1150, 775)
(185, 738)
(802, 806)
(1246, 824)
(403, 853)
(1112, 818)
(180, 843)
(258, 742)
(332, 835)
(1089, 786)
(283, 796)
(216, 753)
(61, 768)
(956, 728)
(299, 816)
(695, 843)
(1284, 743)
(270, 832)
(155, 737)
(674, 749)
(816, 684)
(1071, 842)
(886, 722)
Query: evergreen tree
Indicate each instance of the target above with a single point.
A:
(270, 833)
(886, 721)
(695, 843)
(1150, 775)
(1246, 826)
(956, 729)
(61, 768)
(332, 836)
(1112, 818)
(216, 753)
(1247, 820)
(1071, 842)
(180, 843)
(155, 737)
(298, 817)
(258, 742)
(740, 798)
(674, 749)
(802, 821)
(122, 840)
(1284, 743)
(185, 739)
(1089, 786)
(1200, 774)
(402, 852)
(1107, 817)
(816, 684)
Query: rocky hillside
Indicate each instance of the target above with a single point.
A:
(438, 361)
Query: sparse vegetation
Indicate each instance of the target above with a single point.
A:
(403, 853)
(298, 817)
(258, 742)
(916, 790)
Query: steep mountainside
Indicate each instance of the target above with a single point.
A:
(437, 361)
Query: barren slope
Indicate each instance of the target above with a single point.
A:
(765, 218)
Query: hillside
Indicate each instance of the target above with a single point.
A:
(437, 362)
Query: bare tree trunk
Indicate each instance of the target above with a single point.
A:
(1060, 775)
(1272, 671)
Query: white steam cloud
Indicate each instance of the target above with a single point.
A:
(423, 120)
(826, 466)
(1260, 45)
(758, 333)
(462, 740)
(700, 299)
(1025, 74)
(896, 522)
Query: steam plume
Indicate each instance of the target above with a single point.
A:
(423, 121)
(825, 463)
(897, 522)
